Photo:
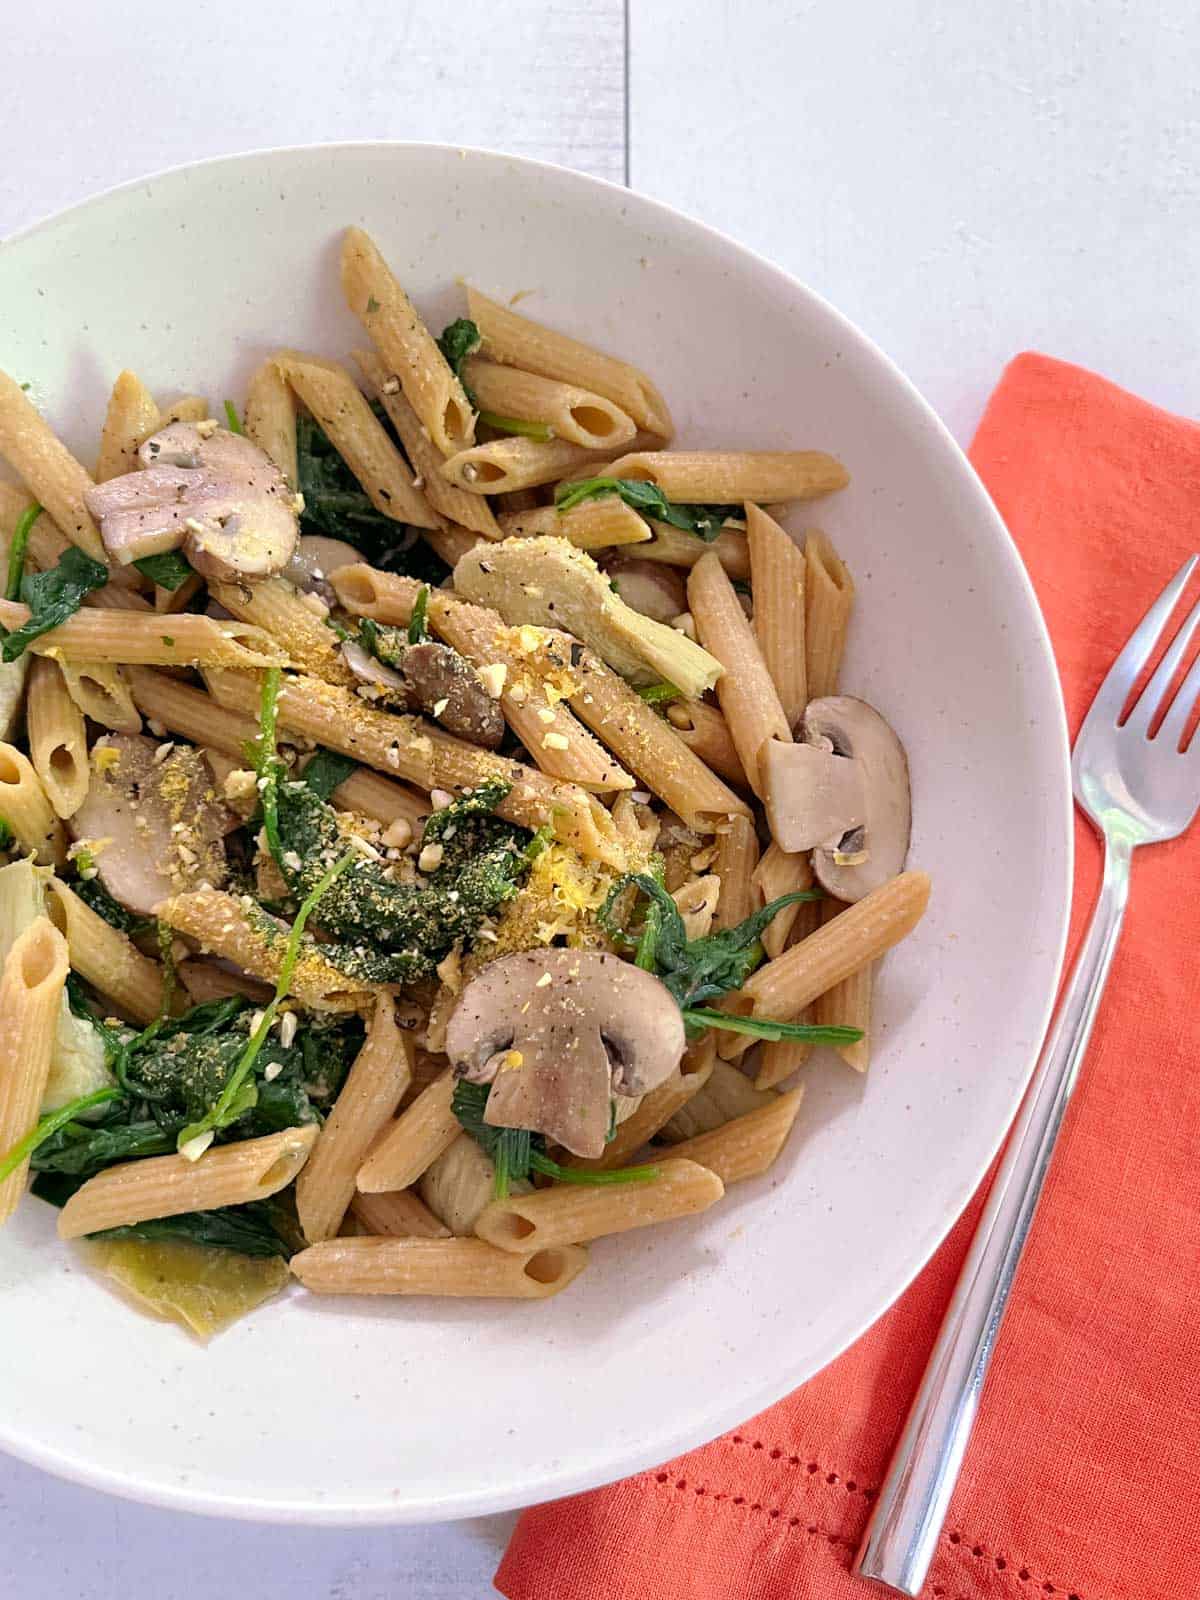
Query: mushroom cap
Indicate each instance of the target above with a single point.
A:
(564, 1030)
(854, 729)
(812, 795)
(211, 491)
(651, 587)
(314, 559)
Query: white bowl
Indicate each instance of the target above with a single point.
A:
(338, 1411)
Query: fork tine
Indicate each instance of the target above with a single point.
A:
(1123, 674)
(1182, 707)
(1154, 695)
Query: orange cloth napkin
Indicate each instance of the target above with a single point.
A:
(1083, 1476)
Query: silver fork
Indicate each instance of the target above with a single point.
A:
(1135, 790)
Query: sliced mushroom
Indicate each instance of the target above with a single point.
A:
(843, 792)
(657, 591)
(551, 584)
(315, 558)
(212, 492)
(367, 669)
(558, 1033)
(153, 822)
(432, 678)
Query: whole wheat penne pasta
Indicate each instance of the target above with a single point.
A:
(728, 1093)
(520, 342)
(779, 1058)
(31, 988)
(828, 602)
(783, 987)
(516, 463)
(183, 641)
(580, 415)
(57, 738)
(406, 347)
(747, 1145)
(132, 416)
(706, 733)
(297, 627)
(422, 753)
(736, 859)
(168, 601)
(546, 726)
(167, 1186)
(270, 418)
(462, 1268)
(467, 510)
(190, 712)
(188, 408)
(102, 693)
(46, 541)
(655, 1109)
(373, 795)
(650, 747)
(592, 525)
(746, 693)
(204, 981)
(26, 808)
(357, 435)
(848, 1004)
(451, 542)
(54, 478)
(674, 547)
(402, 1214)
(237, 929)
(566, 1214)
(415, 1138)
(780, 873)
(777, 567)
(381, 1072)
(712, 477)
(103, 956)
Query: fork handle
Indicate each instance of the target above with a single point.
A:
(906, 1522)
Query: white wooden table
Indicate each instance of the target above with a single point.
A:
(962, 180)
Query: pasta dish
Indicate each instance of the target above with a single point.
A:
(435, 834)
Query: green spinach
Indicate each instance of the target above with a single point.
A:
(168, 570)
(17, 549)
(705, 522)
(53, 596)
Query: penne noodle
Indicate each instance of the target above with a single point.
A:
(413, 1140)
(736, 859)
(372, 795)
(779, 1058)
(44, 464)
(713, 477)
(203, 981)
(655, 1109)
(566, 1214)
(470, 511)
(747, 1145)
(182, 641)
(188, 408)
(454, 1267)
(132, 416)
(650, 747)
(674, 547)
(357, 435)
(25, 807)
(46, 542)
(517, 463)
(779, 873)
(828, 601)
(168, 601)
(296, 625)
(191, 713)
(745, 691)
(580, 415)
(423, 754)
(520, 342)
(777, 567)
(101, 692)
(401, 1214)
(235, 928)
(106, 958)
(373, 1089)
(592, 525)
(167, 1186)
(783, 987)
(848, 1004)
(549, 730)
(706, 733)
(270, 418)
(451, 543)
(407, 348)
(31, 990)
(57, 738)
